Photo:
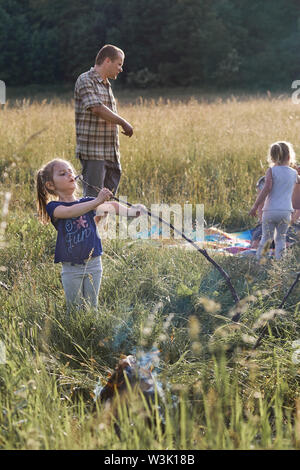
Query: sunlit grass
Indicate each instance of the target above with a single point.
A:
(210, 153)
(219, 393)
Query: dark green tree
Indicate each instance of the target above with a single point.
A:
(166, 42)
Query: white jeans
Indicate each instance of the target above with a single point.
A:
(81, 282)
(278, 222)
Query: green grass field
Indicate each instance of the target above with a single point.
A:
(219, 392)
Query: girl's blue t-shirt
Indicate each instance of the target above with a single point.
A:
(77, 238)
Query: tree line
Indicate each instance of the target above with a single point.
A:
(167, 42)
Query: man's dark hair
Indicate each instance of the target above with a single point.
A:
(109, 51)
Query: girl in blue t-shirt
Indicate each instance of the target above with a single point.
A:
(78, 245)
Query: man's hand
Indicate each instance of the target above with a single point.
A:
(127, 129)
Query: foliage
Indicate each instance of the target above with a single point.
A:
(178, 42)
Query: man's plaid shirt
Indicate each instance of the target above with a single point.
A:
(96, 139)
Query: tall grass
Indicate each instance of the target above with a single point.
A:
(219, 393)
(210, 153)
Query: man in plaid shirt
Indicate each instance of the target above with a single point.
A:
(97, 121)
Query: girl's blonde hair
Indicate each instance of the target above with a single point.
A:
(44, 194)
(279, 153)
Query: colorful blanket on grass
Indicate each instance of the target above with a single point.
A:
(236, 243)
(240, 242)
(214, 239)
(233, 243)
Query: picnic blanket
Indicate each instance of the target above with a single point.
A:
(232, 243)
(236, 243)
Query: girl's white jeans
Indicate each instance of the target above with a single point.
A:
(81, 282)
(278, 222)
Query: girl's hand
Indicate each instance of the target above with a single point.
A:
(136, 210)
(252, 212)
(103, 195)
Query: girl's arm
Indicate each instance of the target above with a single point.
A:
(114, 207)
(67, 212)
(263, 194)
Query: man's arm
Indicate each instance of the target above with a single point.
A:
(114, 207)
(108, 115)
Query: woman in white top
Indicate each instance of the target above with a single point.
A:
(277, 197)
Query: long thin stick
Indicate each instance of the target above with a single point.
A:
(200, 250)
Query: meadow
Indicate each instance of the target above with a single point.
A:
(219, 393)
